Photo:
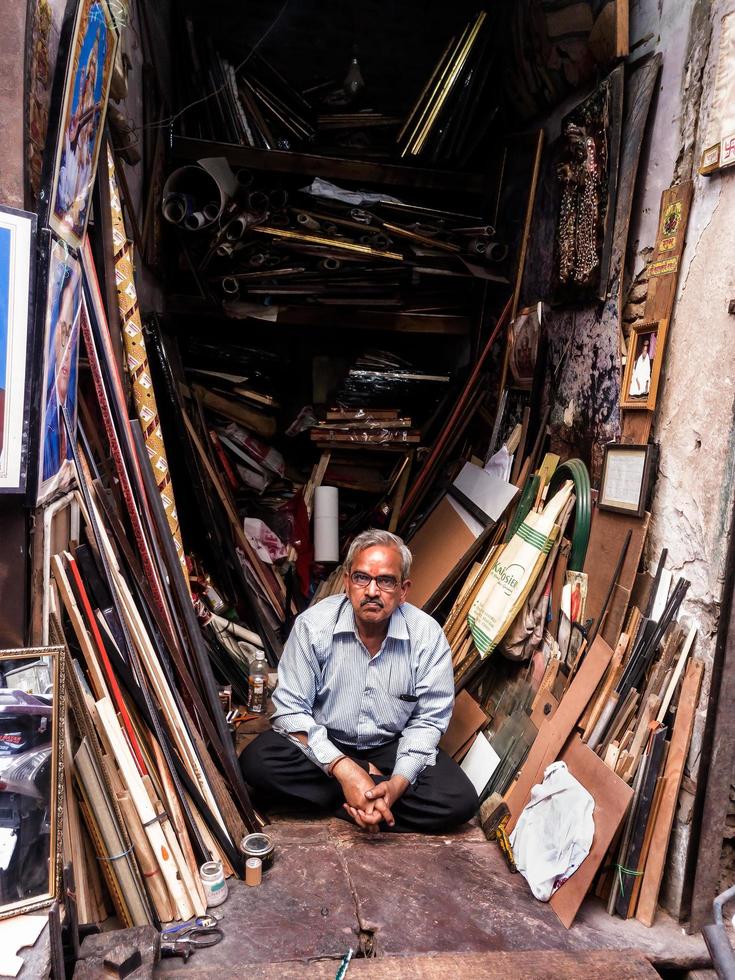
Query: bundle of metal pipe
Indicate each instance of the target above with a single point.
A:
(271, 243)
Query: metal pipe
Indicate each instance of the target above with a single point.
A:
(330, 264)
(257, 202)
(496, 252)
(230, 286)
(306, 221)
(278, 198)
(244, 177)
(319, 240)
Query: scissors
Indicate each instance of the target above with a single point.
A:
(186, 937)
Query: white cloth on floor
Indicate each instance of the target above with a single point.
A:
(554, 833)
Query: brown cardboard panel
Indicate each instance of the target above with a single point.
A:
(612, 797)
(467, 719)
(607, 536)
(437, 546)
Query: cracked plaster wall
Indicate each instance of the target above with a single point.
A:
(692, 509)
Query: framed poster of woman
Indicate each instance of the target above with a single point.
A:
(646, 346)
(17, 249)
(60, 360)
(92, 42)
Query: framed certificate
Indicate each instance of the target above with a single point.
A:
(626, 476)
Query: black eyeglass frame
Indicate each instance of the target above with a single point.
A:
(376, 579)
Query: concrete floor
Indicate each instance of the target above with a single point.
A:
(412, 901)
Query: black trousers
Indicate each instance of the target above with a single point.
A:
(278, 771)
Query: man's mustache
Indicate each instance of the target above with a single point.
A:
(372, 602)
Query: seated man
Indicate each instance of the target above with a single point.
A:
(365, 692)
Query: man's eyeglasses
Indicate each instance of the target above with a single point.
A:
(386, 583)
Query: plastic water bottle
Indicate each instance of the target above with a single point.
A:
(258, 684)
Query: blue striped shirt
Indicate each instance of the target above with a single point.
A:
(328, 684)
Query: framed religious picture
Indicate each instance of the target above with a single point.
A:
(59, 369)
(17, 250)
(523, 339)
(626, 478)
(646, 345)
(92, 41)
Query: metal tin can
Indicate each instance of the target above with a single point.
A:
(258, 846)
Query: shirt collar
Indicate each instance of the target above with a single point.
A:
(397, 626)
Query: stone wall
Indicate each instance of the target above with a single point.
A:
(694, 424)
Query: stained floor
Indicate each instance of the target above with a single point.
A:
(410, 901)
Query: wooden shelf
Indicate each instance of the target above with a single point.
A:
(330, 168)
(332, 317)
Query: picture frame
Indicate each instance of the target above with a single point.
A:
(32, 770)
(646, 345)
(92, 40)
(17, 318)
(626, 477)
(59, 368)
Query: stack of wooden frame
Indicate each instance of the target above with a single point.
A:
(153, 784)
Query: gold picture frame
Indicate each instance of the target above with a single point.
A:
(646, 346)
(32, 703)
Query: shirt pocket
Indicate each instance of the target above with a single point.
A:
(395, 713)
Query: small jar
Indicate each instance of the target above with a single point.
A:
(258, 846)
(214, 882)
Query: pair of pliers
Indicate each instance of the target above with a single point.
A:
(184, 938)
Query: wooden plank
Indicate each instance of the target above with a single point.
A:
(331, 168)
(664, 278)
(612, 797)
(607, 535)
(556, 731)
(673, 774)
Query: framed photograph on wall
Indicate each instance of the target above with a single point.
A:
(59, 368)
(17, 250)
(626, 477)
(92, 42)
(646, 345)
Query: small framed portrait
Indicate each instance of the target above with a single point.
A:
(17, 249)
(643, 367)
(626, 478)
(59, 369)
(524, 333)
(92, 39)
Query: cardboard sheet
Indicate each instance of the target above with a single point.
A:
(612, 797)
(480, 763)
(437, 546)
(607, 536)
(467, 719)
(15, 934)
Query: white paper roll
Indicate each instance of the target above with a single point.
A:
(326, 524)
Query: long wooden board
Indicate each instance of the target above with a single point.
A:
(552, 736)
(612, 798)
(673, 774)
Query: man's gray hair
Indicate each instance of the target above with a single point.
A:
(384, 539)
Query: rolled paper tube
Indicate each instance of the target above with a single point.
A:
(244, 177)
(211, 211)
(257, 202)
(230, 286)
(486, 231)
(326, 524)
(253, 871)
(176, 207)
(195, 221)
(330, 264)
(496, 252)
(306, 221)
(202, 187)
(236, 228)
(278, 198)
